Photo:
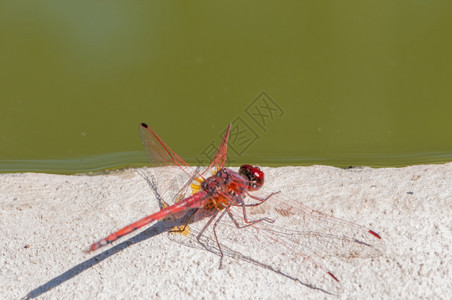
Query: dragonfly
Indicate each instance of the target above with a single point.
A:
(214, 206)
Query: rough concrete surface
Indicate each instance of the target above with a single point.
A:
(48, 221)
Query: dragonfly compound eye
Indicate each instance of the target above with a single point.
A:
(253, 175)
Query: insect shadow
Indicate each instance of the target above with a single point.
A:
(154, 230)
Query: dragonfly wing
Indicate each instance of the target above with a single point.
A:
(323, 234)
(159, 153)
(173, 179)
(178, 176)
(220, 157)
(258, 245)
(300, 244)
(199, 217)
(217, 163)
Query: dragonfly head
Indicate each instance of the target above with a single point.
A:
(253, 175)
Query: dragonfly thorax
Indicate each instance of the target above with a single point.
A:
(224, 181)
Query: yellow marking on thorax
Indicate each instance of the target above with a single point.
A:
(195, 187)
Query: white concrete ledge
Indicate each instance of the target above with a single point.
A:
(47, 221)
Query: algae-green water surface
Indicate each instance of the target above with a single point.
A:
(303, 82)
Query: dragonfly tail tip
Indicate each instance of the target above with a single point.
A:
(374, 234)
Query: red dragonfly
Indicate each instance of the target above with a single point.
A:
(216, 191)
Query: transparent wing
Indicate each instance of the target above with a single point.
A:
(220, 157)
(301, 244)
(320, 233)
(172, 178)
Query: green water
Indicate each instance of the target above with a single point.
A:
(303, 82)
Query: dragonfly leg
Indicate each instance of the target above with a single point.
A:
(216, 237)
(261, 200)
(245, 205)
(200, 234)
(245, 218)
